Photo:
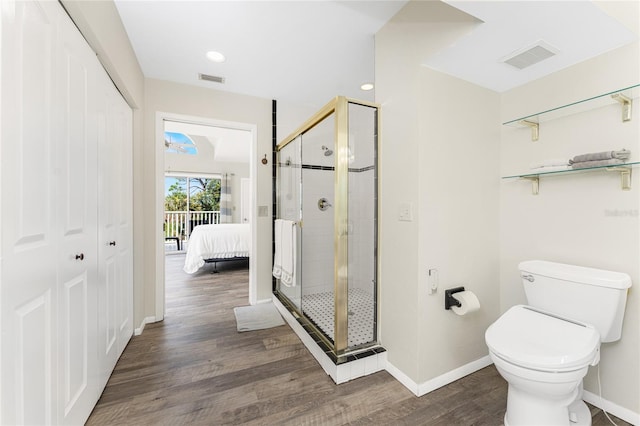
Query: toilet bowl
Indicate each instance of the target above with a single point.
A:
(544, 349)
(544, 358)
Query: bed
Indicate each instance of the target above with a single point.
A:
(217, 243)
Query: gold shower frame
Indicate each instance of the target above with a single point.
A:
(340, 106)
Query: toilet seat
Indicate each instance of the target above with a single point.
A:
(541, 341)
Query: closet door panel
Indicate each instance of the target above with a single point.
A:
(33, 351)
(107, 231)
(77, 214)
(27, 131)
(28, 227)
(123, 200)
(74, 359)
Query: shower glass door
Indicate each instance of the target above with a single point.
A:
(289, 201)
(318, 177)
(362, 225)
(327, 183)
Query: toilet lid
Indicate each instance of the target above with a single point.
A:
(537, 340)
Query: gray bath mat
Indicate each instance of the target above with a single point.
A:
(257, 317)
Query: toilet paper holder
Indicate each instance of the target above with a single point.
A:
(449, 300)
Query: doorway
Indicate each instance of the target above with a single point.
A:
(203, 151)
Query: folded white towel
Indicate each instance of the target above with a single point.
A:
(551, 162)
(277, 256)
(288, 247)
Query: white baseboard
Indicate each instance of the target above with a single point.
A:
(406, 381)
(612, 408)
(420, 389)
(453, 375)
(147, 320)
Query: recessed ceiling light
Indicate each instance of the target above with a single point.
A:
(367, 86)
(214, 56)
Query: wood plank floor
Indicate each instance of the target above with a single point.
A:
(195, 368)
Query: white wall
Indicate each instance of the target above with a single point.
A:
(570, 221)
(167, 97)
(458, 216)
(439, 154)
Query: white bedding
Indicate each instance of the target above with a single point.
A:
(222, 241)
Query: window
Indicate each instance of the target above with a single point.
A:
(179, 143)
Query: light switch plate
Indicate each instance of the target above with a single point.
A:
(405, 212)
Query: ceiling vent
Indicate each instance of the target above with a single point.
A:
(213, 78)
(528, 56)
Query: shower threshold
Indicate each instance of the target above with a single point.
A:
(341, 369)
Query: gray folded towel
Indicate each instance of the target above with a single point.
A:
(598, 163)
(621, 155)
(599, 156)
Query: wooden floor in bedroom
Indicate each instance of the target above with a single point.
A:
(194, 368)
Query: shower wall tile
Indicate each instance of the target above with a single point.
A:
(317, 253)
(361, 237)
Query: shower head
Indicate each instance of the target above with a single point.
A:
(327, 151)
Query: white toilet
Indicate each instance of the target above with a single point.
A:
(544, 349)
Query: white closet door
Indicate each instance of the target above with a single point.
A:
(65, 270)
(107, 234)
(121, 173)
(115, 284)
(76, 184)
(28, 225)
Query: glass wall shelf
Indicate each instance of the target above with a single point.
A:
(622, 96)
(624, 170)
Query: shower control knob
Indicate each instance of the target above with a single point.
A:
(323, 204)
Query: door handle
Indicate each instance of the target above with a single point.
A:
(80, 256)
(112, 243)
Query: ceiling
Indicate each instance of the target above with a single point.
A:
(306, 52)
(574, 30)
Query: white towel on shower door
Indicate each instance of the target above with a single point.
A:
(288, 253)
(277, 256)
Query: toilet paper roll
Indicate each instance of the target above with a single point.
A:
(469, 301)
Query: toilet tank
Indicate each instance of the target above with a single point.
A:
(594, 296)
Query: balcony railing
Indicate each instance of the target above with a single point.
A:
(180, 223)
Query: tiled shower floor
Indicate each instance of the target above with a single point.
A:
(319, 307)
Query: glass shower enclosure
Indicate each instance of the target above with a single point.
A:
(326, 187)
